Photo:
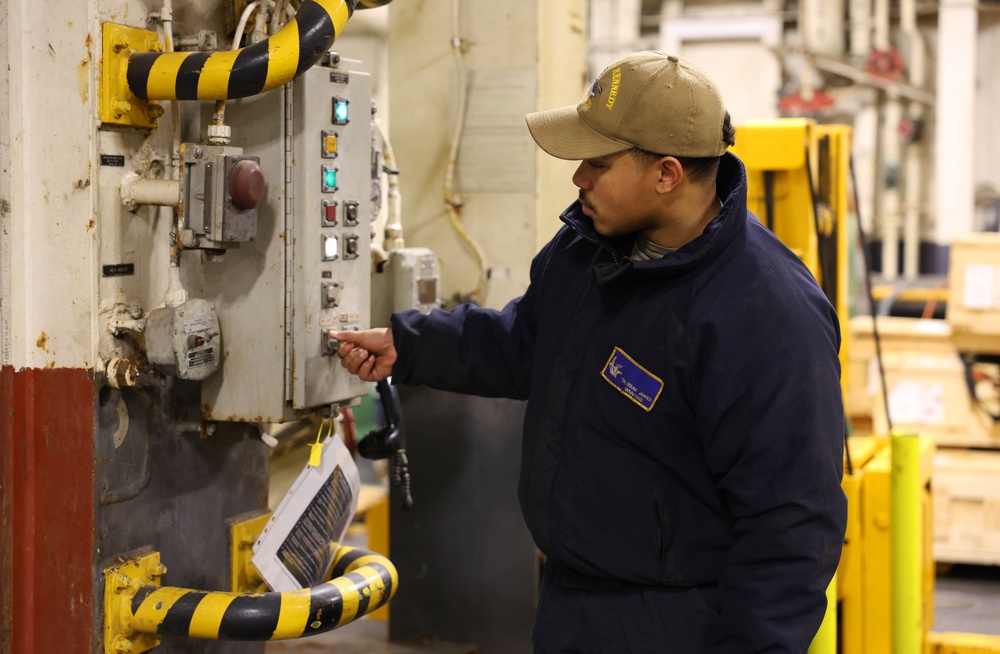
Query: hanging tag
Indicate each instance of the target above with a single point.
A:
(315, 454)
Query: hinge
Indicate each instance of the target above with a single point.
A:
(289, 237)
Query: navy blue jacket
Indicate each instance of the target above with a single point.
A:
(709, 455)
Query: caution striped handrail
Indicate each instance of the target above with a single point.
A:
(361, 582)
(229, 74)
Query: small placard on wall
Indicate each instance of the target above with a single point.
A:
(119, 269)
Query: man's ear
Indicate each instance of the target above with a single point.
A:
(671, 174)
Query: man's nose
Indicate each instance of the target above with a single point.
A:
(580, 179)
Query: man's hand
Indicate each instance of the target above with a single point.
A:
(368, 354)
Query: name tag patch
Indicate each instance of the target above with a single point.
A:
(632, 380)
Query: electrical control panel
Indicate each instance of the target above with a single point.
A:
(331, 188)
(308, 269)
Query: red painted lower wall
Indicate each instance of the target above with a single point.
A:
(46, 511)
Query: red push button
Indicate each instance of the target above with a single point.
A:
(246, 184)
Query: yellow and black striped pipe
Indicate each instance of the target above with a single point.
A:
(263, 66)
(361, 582)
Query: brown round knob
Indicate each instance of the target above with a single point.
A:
(246, 184)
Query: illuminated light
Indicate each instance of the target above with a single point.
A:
(329, 145)
(340, 112)
(330, 248)
(329, 179)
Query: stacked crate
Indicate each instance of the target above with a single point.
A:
(928, 393)
(967, 482)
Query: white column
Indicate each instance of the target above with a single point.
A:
(956, 95)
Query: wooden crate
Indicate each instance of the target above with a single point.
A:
(929, 395)
(900, 337)
(974, 296)
(966, 506)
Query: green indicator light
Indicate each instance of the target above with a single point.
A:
(330, 178)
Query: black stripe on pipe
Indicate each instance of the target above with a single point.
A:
(137, 73)
(188, 75)
(316, 34)
(346, 560)
(141, 595)
(251, 618)
(326, 607)
(249, 72)
(386, 579)
(178, 617)
(360, 582)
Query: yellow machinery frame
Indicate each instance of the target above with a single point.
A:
(798, 175)
(783, 159)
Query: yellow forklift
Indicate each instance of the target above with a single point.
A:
(882, 598)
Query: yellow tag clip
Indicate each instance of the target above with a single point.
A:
(316, 449)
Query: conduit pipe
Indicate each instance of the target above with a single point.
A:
(362, 582)
(248, 71)
(138, 191)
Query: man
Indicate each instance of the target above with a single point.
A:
(682, 450)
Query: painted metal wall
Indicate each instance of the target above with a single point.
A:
(511, 73)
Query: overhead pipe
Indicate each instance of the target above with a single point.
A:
(257, 68)
(361, 583)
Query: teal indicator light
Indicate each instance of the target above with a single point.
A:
(340, 112)
(329, 179)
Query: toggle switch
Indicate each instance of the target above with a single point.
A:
(331, 294)
(330, 345)
(350, 247)
(351, 213)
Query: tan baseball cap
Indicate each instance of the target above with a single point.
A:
(648, 100)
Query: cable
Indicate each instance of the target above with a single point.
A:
(242, 25)
(826, 275)
(453, 203)
(828, 280)
(871, 297)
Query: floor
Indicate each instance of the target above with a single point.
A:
(362, 637)
(967, 599)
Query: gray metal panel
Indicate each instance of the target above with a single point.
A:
(173, 491)
(248, 284)
(467, 564)
(319, 379)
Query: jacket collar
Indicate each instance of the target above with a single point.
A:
(731, 187)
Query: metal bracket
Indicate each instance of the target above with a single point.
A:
(118, 105)
(243, 532)
(121, 581)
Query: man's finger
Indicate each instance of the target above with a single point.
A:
(346, 336)
(366, 371)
